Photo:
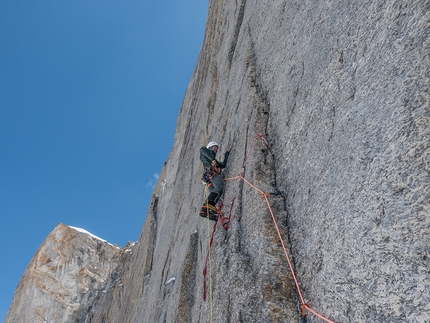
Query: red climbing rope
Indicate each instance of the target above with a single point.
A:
(225, 221)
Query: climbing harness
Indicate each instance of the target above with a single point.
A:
(305, 307)
(208, 173)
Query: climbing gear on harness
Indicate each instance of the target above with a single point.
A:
(208, 174)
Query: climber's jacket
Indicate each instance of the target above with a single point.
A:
(207, 156)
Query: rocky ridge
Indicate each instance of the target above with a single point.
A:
(64, 277)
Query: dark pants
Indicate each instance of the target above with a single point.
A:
(217, 188)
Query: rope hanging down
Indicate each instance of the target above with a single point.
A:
(225, 223)
(210, 263)
(305, 307)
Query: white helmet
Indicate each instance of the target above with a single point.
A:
(211, 144)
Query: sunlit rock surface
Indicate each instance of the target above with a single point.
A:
(62, 280)
(340, 92)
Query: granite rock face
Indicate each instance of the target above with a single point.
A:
(64, 277)
(339, 90)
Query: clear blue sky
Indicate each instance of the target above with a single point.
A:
(89, 96)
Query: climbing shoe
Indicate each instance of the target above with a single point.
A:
(209, 211)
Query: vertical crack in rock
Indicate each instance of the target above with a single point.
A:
(264, 174)
(165, 266)
(153, 238)
(236, 32)
(292, 107)
(240, 199)
(212, 92)
(188, 281)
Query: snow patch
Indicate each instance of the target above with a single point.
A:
(130, 247)
(171, 280)
(91, 235)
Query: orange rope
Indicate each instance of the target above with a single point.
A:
(265, 195)
(253, 186)
(280, 237)
(231, 178)
(317, 314)
(285, 250)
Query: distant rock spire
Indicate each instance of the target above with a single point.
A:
(65, 275)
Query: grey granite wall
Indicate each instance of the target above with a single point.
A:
(340, 91)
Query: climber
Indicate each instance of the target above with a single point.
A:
(213, 178)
